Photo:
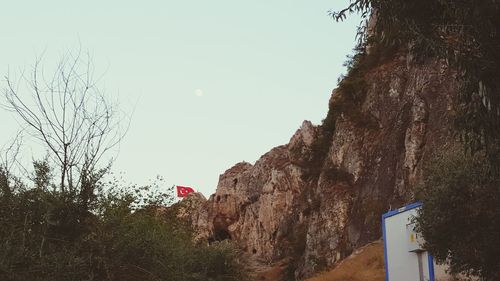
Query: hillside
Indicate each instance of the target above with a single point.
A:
(417, 83)
(365, 264)
(318, 198)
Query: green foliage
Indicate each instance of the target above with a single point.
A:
(42, 174)
(352, 88)
(460, 218)
(4, 182)
(347, 101)
(220, 261)
(51, 235)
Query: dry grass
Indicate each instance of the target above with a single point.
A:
(274, 272)
(365, 264)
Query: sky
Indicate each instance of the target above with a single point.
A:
(207, 83)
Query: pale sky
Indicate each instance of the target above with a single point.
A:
(213, 83)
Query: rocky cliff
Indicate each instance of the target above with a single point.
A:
(314, 200)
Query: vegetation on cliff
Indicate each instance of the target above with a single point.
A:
(465, 33)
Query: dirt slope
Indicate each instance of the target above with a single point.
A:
(365, 264)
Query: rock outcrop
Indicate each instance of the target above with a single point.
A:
(314, 200)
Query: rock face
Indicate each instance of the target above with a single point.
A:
(314, 200)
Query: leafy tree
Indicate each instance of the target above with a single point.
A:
(460, 217)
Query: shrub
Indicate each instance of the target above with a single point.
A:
(460, 218)
(122, 235)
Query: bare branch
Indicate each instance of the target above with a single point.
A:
(68, 114)
(8, 162)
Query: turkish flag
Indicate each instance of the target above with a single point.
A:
(183, 191)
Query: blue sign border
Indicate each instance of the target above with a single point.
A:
(391, 213)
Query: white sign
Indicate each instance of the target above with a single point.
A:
(405, 259)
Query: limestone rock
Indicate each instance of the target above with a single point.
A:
(314, 200)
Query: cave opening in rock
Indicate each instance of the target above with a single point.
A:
(221, 234)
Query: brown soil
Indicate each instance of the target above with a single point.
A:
(365, 264)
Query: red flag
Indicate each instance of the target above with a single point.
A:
(183, 191)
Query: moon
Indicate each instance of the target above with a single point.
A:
(198, 92)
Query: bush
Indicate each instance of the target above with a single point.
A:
(122, 235)
(460, 217)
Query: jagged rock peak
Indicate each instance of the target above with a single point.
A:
(306, 134)
(237, 168)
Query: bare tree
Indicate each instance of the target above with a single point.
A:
(69, 115)
(8, 162)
